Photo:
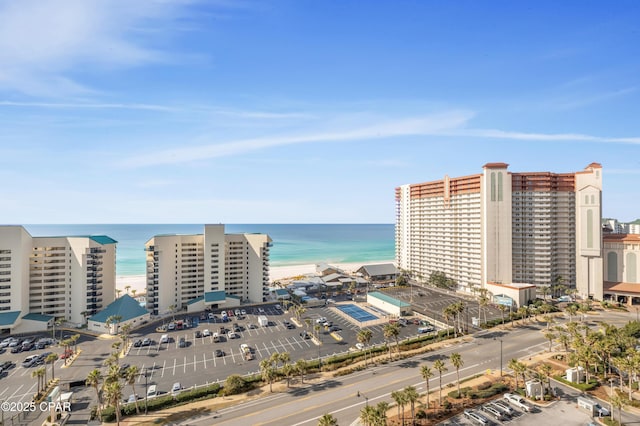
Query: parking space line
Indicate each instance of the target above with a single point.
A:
(293, 348)
(163, 364)
(184, 367)
(12, 395)
(204, 360)
(275, 349)
(174, 366)
(266, 349)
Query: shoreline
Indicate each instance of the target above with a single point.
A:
(138, 282)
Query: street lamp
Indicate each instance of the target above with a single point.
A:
(366, 399)
(495, 338)
(146, 390)
(611, 398)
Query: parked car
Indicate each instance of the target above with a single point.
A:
(334, 328)
(206, 332)
(260, 310)
(198, 334)
(182, 343)
(30, 361)
(305, 335)
(16, 349)
(288, 325)
(123, 368)
(146, 341)
(237, 328)
(237, 312)
(359, 346)
(278, 307)
(475, 417)
(219, 353)
(171, 326)
(252, 326)
(243, 312)
(517, 401)
(232, 335)
(321, 320)
(137, 343)
(28, 347)
(503, 407)
(493, 412)
(6, 365)
(176, 388)
(211, 316)
(132, 398)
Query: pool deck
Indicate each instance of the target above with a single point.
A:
(382, 318)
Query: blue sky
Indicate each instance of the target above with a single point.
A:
(304, 111)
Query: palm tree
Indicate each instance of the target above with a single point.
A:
(440, 368)
(392, 330)
(93, 379)
(364, 336)
(125, 330)
(267, 372)
(550, 336)
(288, 371)
(113, 319)
(51, 359)
(483, 302)
(327, 420)
(426, 373)
(368, 415)
(127, 288)
(503, 309)
(400, 400)
(546, 369)
(411, 396)
(571, 310)
(456, 360)
(130, 376)
(301, 368)
(381, 413)
(113, 394)
(118, 291)
(133, 292)
(37, 374)
(447, 314)
(515, 366)
(545, 291)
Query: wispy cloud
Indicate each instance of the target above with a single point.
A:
(591, 99)
(541, 137)
(425, 125)
(53, 105)
(44, 42)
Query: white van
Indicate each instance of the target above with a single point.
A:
(164, 338)
(152, 391)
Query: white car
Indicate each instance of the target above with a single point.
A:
(475, 417)
(206, 332)
(321, 320)
(260, 311)
(359, 346)
(176, 388)
(517, 401)
(232, 335)
(243, 312)
(278, 307)
(211, 316)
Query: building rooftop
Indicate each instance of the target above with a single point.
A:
(38, 317)
(215, 296)
(389, 299)
(8, 318)
(379, 269)
(126, 307)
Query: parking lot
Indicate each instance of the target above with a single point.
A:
(564, 412)
(197, 363)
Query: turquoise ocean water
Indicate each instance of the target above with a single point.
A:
(292, 244)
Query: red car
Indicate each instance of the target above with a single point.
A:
(66, 354)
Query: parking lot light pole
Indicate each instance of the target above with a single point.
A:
(495, 338)
(366, 399)
(146, 389)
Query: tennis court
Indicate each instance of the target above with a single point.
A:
(357, 313)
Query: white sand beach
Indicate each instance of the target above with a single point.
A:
(138, 282)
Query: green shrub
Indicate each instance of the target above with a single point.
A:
(484, 385)
(580, 386)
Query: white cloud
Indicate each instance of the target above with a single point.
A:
(42, 42)
(425, 125)
(541, 137)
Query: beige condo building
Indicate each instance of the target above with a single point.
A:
(184, 268)
(48, 278)
(504, 227)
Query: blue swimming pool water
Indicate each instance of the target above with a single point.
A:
(357, 313)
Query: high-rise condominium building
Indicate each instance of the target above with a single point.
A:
(504, 227)
(46, 278)
(182, 268)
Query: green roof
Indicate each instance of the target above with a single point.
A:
(389, 299)
(197, 299)
(126, 307)
(215, 296)
(103, 239)
(281, 292)
(37, 317)
(8, 318)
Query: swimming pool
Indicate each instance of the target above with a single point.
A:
(357, 313)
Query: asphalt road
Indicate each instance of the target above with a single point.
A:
(339, 396)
